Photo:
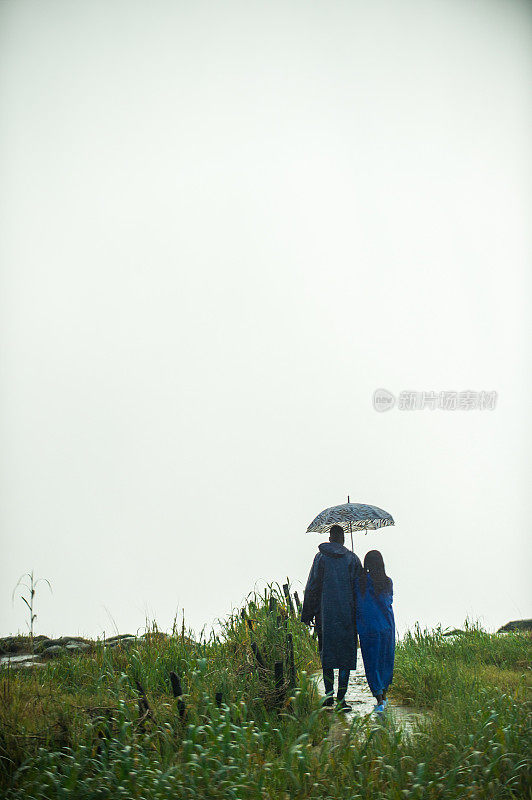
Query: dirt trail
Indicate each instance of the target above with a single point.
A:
(362, 701)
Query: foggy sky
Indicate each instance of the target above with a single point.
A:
(223, 226)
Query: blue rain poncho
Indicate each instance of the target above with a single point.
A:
(330, 600)
(376, 632)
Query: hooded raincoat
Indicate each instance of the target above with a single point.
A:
(330, 600)
(376, 631)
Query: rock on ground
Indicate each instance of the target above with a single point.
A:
(516, 625)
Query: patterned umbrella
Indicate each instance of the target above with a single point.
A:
(358, 516)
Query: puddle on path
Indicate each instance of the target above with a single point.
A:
(362, 701)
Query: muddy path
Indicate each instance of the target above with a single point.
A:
(362, 701)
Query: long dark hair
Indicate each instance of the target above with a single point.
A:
(374, 566)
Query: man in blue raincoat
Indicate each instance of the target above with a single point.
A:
(330, 601)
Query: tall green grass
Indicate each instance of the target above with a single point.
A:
(225, 658)
(73, 728)
(430, 667)
(227, 754)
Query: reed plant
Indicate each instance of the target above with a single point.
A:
(79, 727)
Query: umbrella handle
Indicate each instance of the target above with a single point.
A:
(351, 531)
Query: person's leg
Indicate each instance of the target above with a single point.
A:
(381, 703)
(328, 681)
(343, 680)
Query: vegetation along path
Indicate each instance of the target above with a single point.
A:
(237, 715)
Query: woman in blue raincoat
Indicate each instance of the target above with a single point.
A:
(376, 625)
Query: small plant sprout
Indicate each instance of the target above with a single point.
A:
(31, 587)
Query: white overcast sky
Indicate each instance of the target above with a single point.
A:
(223, 226)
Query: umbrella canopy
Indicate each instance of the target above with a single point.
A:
(356, 516)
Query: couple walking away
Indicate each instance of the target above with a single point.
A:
(344, 599)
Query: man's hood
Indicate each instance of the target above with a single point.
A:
(334, 549)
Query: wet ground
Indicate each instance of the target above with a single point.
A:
(362, 701)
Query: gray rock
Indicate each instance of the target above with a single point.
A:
(12, 645)
(61, 642)
(77, 646)
(19, 660)
(40, 646)
(27, 664)
(516, 625)
(53, 651)
(18, 645)
(51, 643)
(126, 642)
(119, 636)
(68, 639)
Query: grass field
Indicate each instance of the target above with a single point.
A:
(106, 724)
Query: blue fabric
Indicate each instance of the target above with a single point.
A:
(330, 600)
(376, 632)
(343, 680)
